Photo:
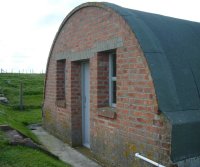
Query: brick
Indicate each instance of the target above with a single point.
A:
(144, 115)
(135, 124)
(143, 120)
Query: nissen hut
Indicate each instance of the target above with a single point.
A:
(121, 81)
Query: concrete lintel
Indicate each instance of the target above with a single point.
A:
(86, 54)
(99, 46)
(62, 55)
(109, 44)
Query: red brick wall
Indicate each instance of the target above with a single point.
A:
(102, 79)
(60, 80)
(137, 126)
(76, 121)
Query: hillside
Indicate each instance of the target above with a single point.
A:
(11, 115)
(32, 89)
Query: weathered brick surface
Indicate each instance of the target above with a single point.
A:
(137, 126)
(60, 80)
(102, 69)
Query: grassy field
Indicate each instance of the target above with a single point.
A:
(10, 114)
(32, 89)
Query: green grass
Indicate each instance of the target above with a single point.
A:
(20, 119)
(10, 114)
(20, 156)
(32, 89)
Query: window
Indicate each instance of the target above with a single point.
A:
(106, 84)
(112, 79)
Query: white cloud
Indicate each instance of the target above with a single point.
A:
(27, 27)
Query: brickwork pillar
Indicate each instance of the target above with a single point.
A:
(76, 114)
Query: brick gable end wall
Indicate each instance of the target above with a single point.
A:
(137, 126)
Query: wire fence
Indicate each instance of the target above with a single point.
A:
(23, 71)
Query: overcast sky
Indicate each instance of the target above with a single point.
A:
(28, 27)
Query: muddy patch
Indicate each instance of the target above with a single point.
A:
(14, 137)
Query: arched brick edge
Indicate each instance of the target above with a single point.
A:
(88, 4)
(159, 122)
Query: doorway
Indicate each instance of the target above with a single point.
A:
(85, 82)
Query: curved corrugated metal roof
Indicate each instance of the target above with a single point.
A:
(172, 50)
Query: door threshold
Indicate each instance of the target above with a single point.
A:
(86, 145)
